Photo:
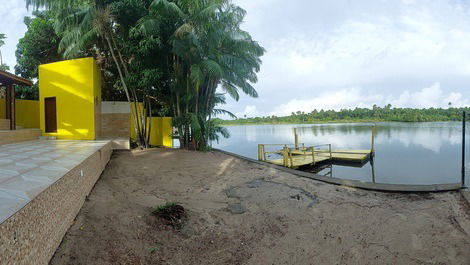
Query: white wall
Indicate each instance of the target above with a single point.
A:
(108, 107)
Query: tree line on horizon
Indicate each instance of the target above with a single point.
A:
(180, 58)
(376, 113)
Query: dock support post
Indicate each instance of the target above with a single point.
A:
(463, 148)
(296, 142)
(372, 150)
(260, 152)
(331, 155)
(313, 155)
(290, 158)
(284, 156)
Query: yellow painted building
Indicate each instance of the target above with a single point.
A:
(70, 106)
(69, 99)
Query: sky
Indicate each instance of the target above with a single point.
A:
(341, 53)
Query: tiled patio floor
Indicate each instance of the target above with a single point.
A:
(28, 168)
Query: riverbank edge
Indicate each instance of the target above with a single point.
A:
(466, 194)
(358, 184)
(371, 122)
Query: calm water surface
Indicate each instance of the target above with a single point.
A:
(406, 153)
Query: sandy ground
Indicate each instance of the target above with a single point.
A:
(244, 213)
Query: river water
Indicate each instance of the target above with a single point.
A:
(405, 153)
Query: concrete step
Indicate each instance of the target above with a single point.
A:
(14, 136)
(4, 124)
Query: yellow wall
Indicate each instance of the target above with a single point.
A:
(76, 84)
(27, 112)
(161, 131)
(3, 109)
(166, 131)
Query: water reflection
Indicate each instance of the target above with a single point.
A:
(406, 153)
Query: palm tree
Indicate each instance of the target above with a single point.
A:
(206, 50)
(2, 42)
(201, 49)
(80, 23)
(3, 67)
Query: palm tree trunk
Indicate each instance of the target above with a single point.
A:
(126, 90)
(142, 127)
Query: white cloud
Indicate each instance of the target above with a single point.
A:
(12, 13)
(249, 111)
(432, 96)
(341, 53)
(390, 49)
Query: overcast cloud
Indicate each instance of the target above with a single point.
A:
(342, 53)
(345, 54)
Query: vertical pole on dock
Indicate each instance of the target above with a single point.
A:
(260, 154)
(284, 155)
(313, 155)
(373, 140)
(463, 148)
(296, 140)
(331, 155)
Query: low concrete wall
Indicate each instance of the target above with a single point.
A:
(116, 122)
(32, 235)
(8, 137)
(115, 119)
(115, 125)
(4, 124)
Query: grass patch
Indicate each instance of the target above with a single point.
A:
(163, 207)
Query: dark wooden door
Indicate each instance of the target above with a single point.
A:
(50, 115)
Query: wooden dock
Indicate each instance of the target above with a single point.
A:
(295, 158)
(299, 155)
(343, 155)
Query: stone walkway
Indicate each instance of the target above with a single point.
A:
(28, 168)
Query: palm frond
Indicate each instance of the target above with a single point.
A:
(222, 111)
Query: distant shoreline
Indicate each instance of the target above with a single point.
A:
(359, 115)
(234, 123)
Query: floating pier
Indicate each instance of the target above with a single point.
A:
(298, 155)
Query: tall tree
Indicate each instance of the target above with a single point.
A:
(84, 22)
(178, 57)
(38, 46)
(3, 66)
(205, 50)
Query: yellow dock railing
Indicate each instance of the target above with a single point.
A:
(298, 154)
(289, 154)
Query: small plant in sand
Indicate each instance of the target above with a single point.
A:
(171, 214)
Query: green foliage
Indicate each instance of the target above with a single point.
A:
(152, 250)
(38, 46)
(160, 208)
(171, 54)
(203, 48)
(386, 113)
(2, 39)
(3, 66)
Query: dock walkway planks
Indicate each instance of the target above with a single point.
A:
(303, 158)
